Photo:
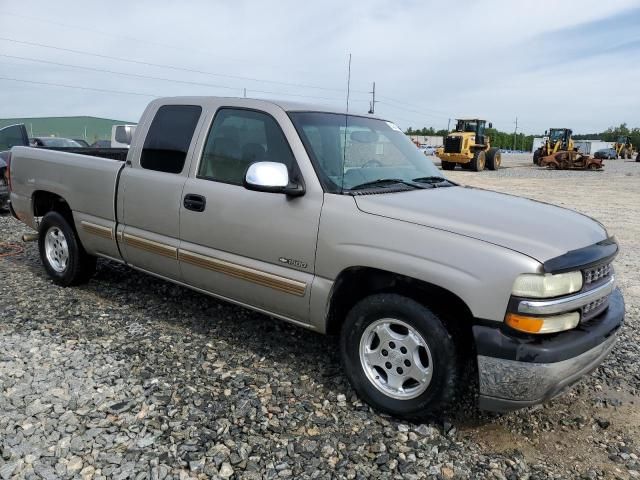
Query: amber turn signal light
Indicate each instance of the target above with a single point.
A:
(524, 324)
(553, 324)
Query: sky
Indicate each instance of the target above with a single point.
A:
(553, 63)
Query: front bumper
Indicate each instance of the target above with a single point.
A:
(520, 371)
(455, 157)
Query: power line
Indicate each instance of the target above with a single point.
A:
(151, 77)
(112, 35)
(171, 67)
(104, 90)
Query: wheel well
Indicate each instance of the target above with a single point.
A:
(45, 202)
(356, 283)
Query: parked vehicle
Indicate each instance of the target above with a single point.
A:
(81, 142)
(556, 140)
(606, 154)
(54, 142)
(570, 160)
(10, 136)
(121, 135)
(428, 149)
(469, 146)
(337, 223)
(101, 144)
(624, 148)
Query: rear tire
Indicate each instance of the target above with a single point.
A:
(448, 165)
(478, 161)
(399, 357)
(61, 252)
(494, 158)
(536, 157)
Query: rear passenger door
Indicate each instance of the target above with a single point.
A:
(151, 190)
(256, 248)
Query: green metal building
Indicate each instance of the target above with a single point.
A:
(86, 128)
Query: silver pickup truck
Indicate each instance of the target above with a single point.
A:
(337, 223)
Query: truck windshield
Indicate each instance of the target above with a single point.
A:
(349, 152)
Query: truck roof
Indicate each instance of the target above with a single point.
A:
(287, 106)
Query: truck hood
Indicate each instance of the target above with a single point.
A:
(536, 229)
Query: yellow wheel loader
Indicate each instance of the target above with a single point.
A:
(624, 147)
(469, 146)
(556, 140)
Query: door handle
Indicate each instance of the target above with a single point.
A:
(194, 202)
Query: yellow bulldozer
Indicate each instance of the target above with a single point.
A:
(624, 147)
(556, 140)
(469, 146)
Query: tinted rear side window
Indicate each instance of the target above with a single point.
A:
(165, 148)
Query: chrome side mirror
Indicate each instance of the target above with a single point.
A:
(272, 177)
(124, 134)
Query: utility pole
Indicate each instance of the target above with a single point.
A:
(348, 82)
(372, 104)
(514, 134)
(449, 125)
(245, 93)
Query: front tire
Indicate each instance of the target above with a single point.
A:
(61, 252)
(478, 161)
(448, 165)
(398, 356)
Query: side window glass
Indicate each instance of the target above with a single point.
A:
(239, 138)
(12, 136)
(167, 143)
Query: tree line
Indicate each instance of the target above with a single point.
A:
(505, 140)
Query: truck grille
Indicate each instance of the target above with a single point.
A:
(594, 277)
(597, 274)
(452, 144)
(594, 308)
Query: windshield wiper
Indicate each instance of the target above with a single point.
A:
(382, 182)
(433, 180)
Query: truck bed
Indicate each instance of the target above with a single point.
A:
(85, 178)
(119, 154)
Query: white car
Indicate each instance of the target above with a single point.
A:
(428, 149)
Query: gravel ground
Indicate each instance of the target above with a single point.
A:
(133, 377)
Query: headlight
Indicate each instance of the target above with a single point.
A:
(556, 323)
(545, 286)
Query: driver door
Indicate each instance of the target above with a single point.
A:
(255, 248)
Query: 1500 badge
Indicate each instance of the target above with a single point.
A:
(292, 262)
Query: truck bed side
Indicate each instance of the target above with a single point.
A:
(86, 184)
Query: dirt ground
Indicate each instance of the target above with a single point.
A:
(611, 196)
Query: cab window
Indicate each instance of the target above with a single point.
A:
(167, 143)
(237, 139)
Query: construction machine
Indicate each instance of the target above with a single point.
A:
(556, 140)
(624, 147)
(469, 146)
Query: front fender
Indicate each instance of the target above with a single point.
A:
(480, 273)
